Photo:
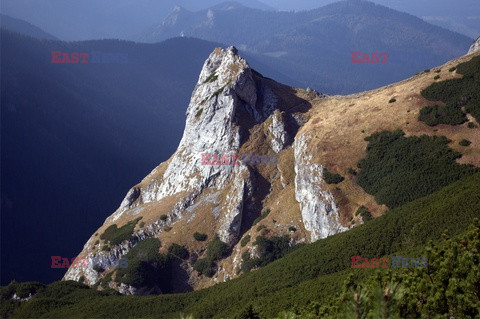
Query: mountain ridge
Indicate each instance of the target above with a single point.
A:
(314, 47)
(235, 110)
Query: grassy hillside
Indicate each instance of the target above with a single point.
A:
(312, 273)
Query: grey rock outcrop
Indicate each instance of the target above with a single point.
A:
(475, 46)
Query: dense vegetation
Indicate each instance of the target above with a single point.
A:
(245, 240)
(455, 93)
(399, 169)
(216, 250)
(448, 114)
(314, 272)
(268, 249)
(144, 265)
(363, 211)
(449, 287)
(178, 251)
(116, 235)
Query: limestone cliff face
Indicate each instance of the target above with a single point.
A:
(475, 46)
(233, 110)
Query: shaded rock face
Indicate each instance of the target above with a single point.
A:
(475, 46)
(228, 101)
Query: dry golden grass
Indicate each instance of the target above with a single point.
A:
(339, 124)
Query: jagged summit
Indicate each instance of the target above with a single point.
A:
(233, 110)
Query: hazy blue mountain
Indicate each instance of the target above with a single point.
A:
(461, 16)
(102, 19)
(75, 136)
(24, 27)
(314, 47)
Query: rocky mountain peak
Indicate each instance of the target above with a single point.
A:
(475, 46)
(233, 110)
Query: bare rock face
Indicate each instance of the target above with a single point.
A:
(228, 101)
(475, 46)
(319, 212)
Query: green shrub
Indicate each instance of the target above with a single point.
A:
(204, 266)
(146, 266)
(211, 78)
(426, 71)
(141, 224)
(199, 112)
(218, 92)
(259, 228)
(465, 142)
(452, 69)
(434, 115)
(363, 211)
(269, 250)
(292, 229)
(116, 235)
(216, 249)
(178, 251)
(392, 100)
(262, 216)
(436, 77)
(331, 178)
(200, 237)
(459, 93)
(471, 125)
(438, 71)
(167, 228)
(245, 240)
(163, 217)
(399, 169)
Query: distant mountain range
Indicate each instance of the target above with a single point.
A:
(123, 19)
(23, 27)
(458, 16)
(314, 47)
(102, 19)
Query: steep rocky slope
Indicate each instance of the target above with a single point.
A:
(235, 110)
(475, 46)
